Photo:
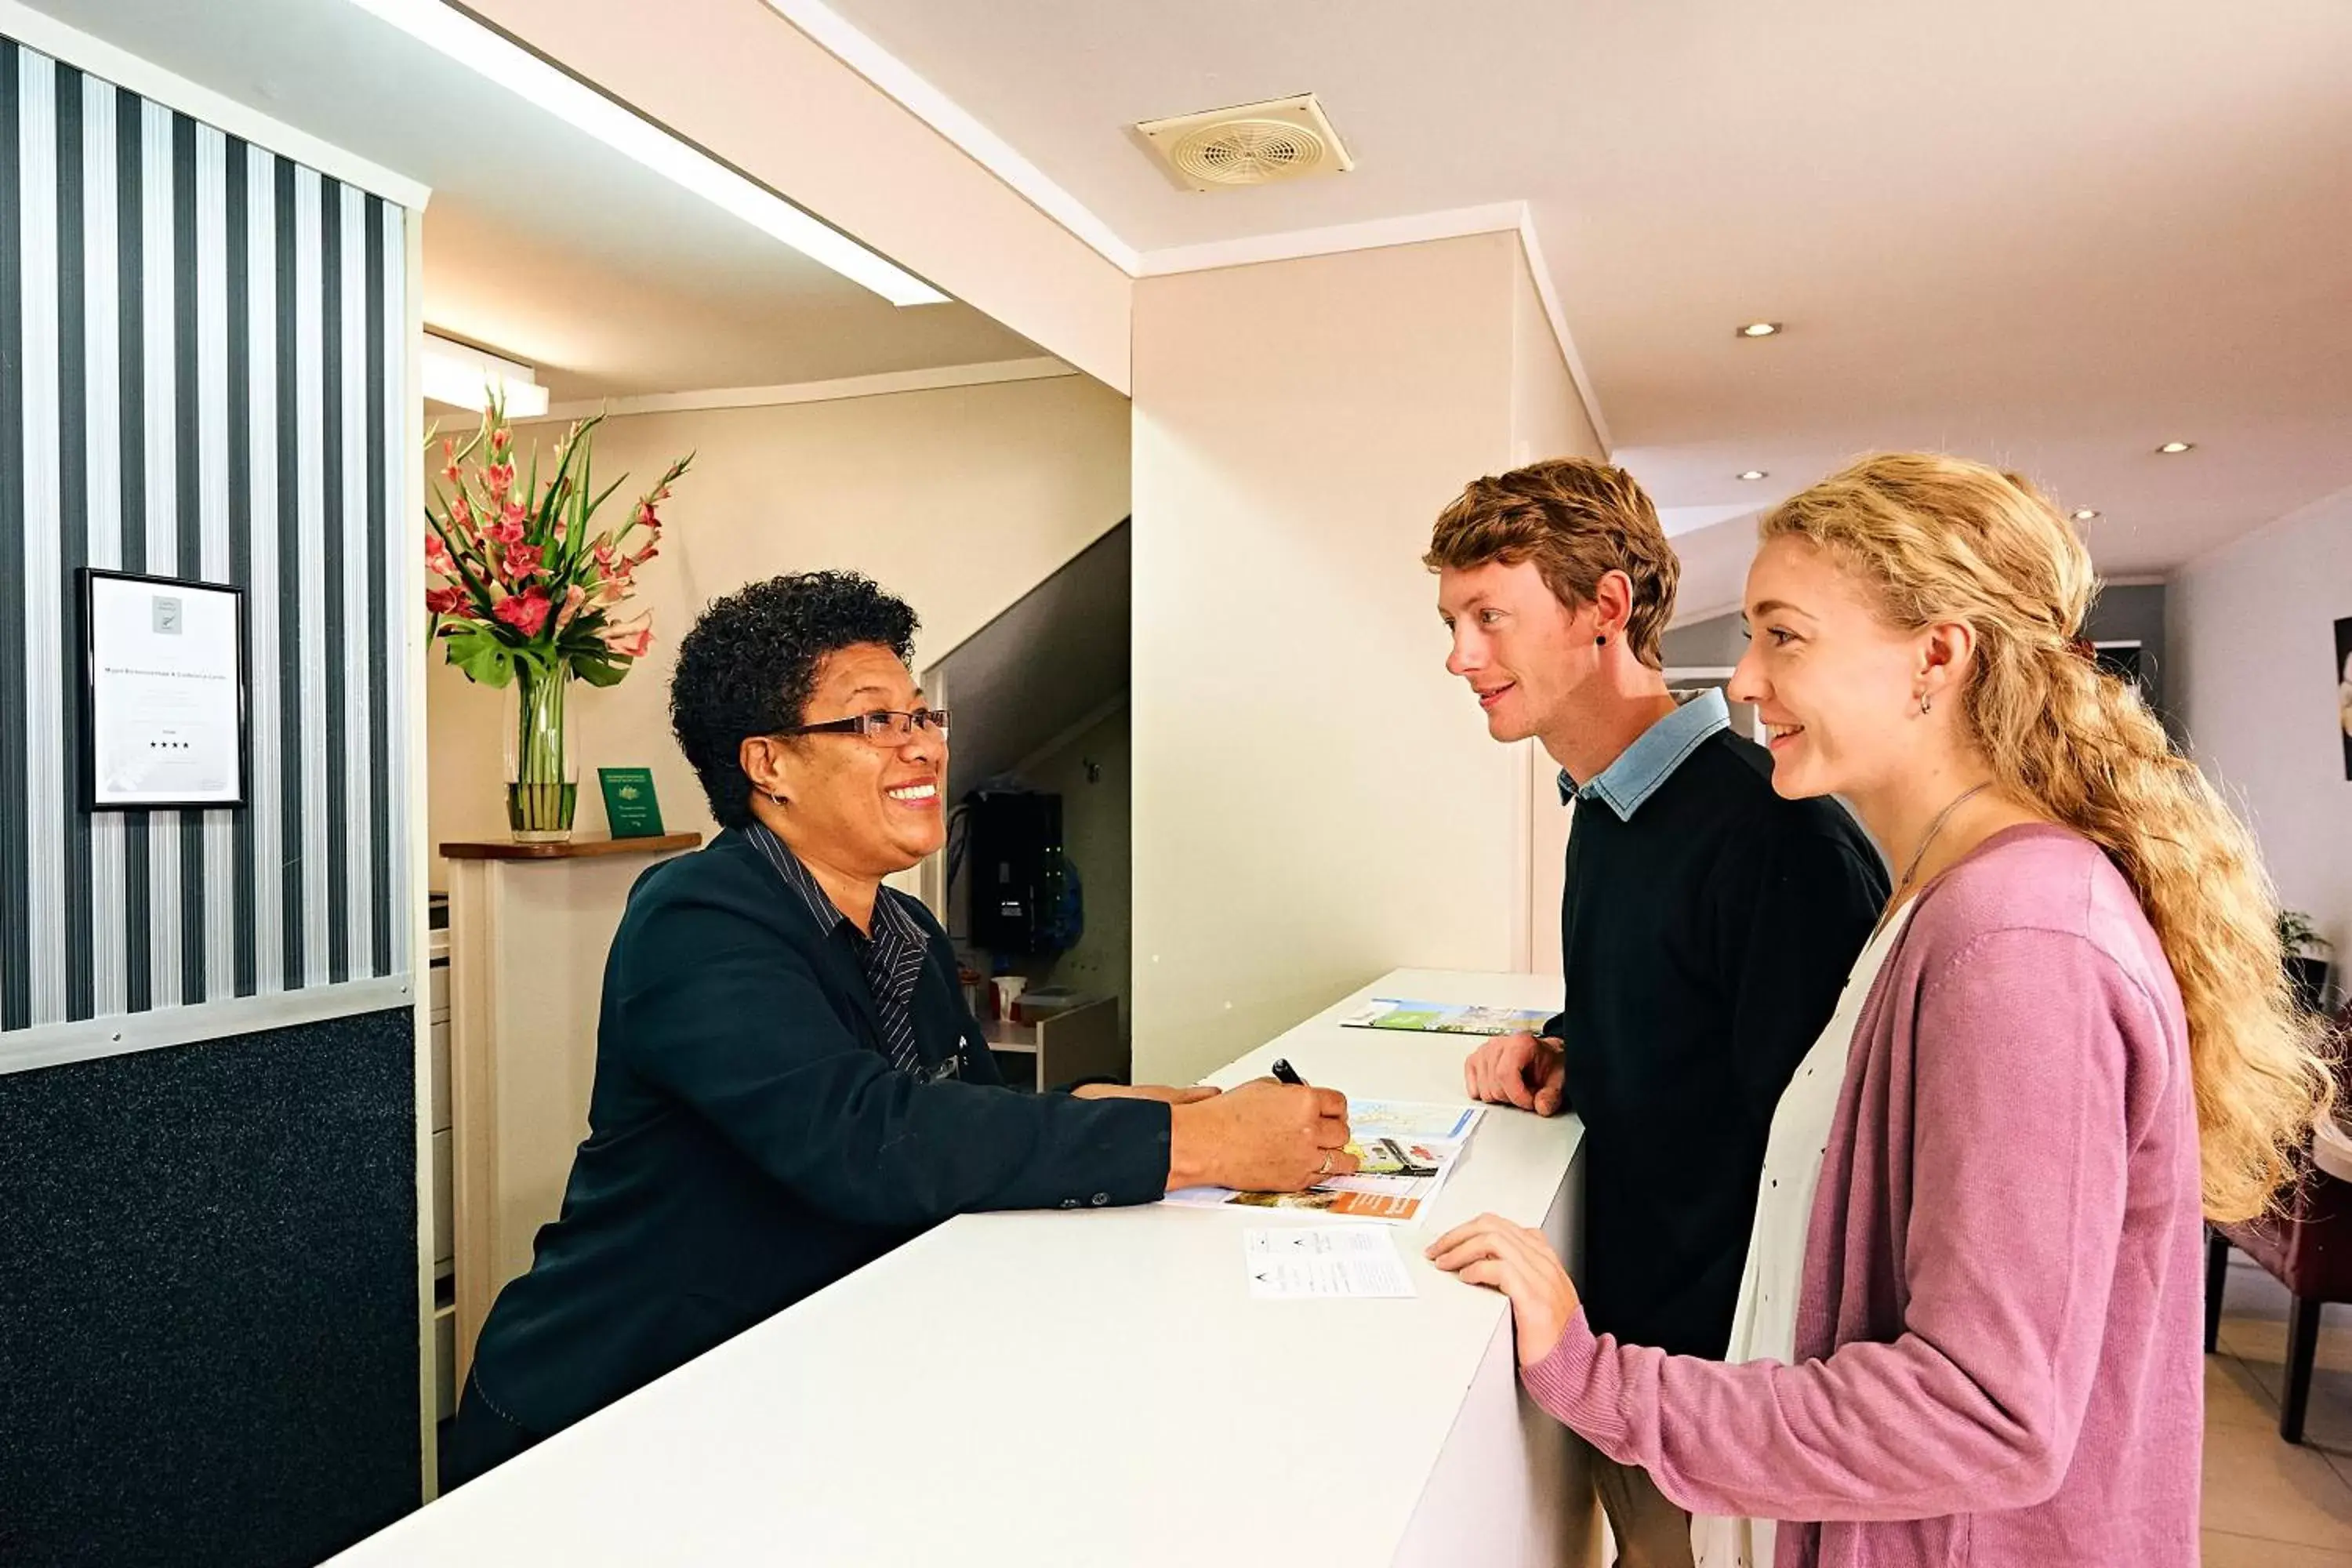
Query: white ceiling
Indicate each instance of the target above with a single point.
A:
(541, 244)
(2048, 232)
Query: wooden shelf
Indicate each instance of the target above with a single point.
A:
(571, 848)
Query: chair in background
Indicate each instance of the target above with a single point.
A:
(2305, 1246)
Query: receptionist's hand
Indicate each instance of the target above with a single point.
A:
(1263, 1137)
(1492, 1251)
(1184, 1094)
(1529, 1071)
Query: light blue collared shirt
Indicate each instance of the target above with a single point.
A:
(1652, 760)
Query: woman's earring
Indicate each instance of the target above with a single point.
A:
(1923, 708)
(777, 798)
(1602, 641)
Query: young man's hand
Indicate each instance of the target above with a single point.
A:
(1529, 1071)
(1263, 1137)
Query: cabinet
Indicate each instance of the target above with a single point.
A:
(1082, 1043)
(530, 925)
(442, 1231)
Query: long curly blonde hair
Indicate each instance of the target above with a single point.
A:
(1941, 539)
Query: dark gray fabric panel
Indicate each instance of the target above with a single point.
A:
(211, 1299)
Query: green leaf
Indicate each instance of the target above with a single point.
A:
(589, 511)
(482, 657)
(600, 669)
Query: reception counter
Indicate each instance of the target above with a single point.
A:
(1092, 1388)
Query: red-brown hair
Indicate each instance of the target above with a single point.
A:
(1578, 520)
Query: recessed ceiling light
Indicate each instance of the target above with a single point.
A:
(2172, 448)
(1754, 474)
(510, 65)
(2085, 513)
(1759, 329)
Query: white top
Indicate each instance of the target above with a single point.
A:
(2331, 1148)
(1764, 1328)
(1043, 1389)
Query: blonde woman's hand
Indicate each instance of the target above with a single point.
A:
(1492, 1251)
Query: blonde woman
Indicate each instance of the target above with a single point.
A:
(1972, 1305)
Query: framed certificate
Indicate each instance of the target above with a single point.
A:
(163, 693)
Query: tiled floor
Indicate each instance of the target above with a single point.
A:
(2268, 1504)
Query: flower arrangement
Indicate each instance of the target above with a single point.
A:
(523, 590)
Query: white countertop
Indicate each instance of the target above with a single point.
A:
(1049, 1388)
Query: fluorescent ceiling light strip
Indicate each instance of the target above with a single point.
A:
(456, 373)
(501, 60)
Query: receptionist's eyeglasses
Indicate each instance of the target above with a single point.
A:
(883, 727)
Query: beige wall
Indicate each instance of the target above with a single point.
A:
(1547, 417)
(1315, 800)
(957, 500)
(2249, 633)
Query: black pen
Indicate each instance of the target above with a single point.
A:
(1286, 1073)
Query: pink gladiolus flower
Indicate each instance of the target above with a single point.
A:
(629, 642)
(522, 561)
(645, 518)
(504, 533)
(436, 557)
(574, 597)
(604, 553)
(460, 513)
(526, 612)
(499, 437)
(515, 514)
(445, 601)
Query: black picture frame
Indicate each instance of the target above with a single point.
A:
(2344, 689)
(86, 642)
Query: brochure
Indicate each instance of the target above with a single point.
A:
(1405, 1153)
(1446, 1017)
(1304, 1262)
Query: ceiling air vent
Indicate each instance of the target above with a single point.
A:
(1253, 144)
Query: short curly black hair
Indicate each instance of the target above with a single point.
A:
(750, 663)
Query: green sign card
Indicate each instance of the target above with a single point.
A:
(630, 807)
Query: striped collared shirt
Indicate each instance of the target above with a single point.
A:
(892, 956)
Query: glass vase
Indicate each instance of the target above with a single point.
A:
(542, 760)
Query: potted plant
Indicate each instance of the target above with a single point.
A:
(2301, 944)
(526, 596)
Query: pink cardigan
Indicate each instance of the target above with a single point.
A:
(1998, 1342)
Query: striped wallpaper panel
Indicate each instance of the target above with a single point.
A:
(202, 353)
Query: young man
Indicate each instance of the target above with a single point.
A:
(787, 1083)
(1707, 929)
